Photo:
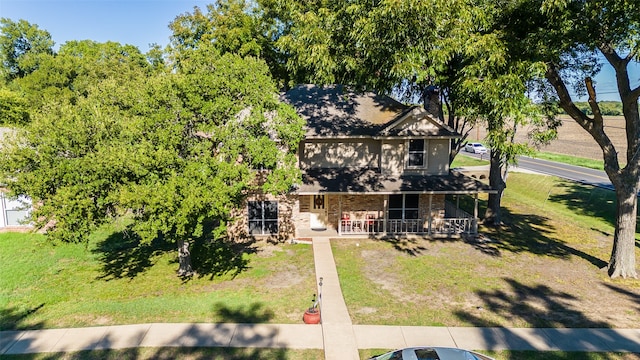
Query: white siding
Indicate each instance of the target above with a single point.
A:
(339, 154)
(393, 155)
(438, 160)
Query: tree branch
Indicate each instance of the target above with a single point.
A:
(566, 103)
(635, 93)
(594, 127)
(612, 56)
(597, 114)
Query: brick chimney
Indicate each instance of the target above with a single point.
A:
(431, 100)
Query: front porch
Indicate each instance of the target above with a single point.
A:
(383, 215)
(366, 202)
(454, 222)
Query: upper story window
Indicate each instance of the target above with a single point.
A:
(417, 153)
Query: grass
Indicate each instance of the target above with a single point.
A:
(178, 353)
(571, 160)
(109, 281)
(542, 269)
(462, 160)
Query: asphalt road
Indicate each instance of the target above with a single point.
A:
(570, 172)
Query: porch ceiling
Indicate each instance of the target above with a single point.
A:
(370, 181)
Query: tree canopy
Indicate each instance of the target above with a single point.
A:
(568, 37)
(176, 151)
(20, 43)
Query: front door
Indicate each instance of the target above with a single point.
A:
(319, 214)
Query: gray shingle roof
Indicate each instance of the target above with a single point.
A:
(333, 111)
(370, 181)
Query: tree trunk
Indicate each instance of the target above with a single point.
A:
(623, 255)
(184, 259)
(492, 214)
(625, 181)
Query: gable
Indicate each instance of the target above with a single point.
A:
(419, 123)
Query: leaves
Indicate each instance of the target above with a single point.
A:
(174, 151)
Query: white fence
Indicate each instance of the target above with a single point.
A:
(444, 226)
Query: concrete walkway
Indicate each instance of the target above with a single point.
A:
(339, 338)
(300, 336)
(337, 330)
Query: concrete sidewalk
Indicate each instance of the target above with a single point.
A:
(301, 336)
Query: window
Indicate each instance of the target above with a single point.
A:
(417, 153)
(403, 207)
(14, 211)
(263, 217)
(426, 354)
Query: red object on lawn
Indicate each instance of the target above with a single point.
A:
(311, 316)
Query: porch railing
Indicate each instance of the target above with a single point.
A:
(368, 226)
(450, 226)
(445, 226)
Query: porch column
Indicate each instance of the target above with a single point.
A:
(430, 214)
(340, 214)
(385, 210)
(475, 213)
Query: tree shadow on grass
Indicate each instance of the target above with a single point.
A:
(553, 313)
(594, 202)
(589, 201)
(529, 233)
(634, 297)
(123, 255)
(519, 233)
(192, 353)
(254, 313)
(13, 318)
(215, 257)
(537, 305)
(408, 245)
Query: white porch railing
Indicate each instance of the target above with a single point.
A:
(368, 226)
(410, 226)
(450, 226)
(445, 226)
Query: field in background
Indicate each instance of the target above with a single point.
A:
(573, 139)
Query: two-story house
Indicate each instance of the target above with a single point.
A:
(371, 166)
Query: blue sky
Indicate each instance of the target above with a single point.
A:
(135, 22)
(142, 22)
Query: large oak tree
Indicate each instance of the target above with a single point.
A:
(569, 36)
(174, 151)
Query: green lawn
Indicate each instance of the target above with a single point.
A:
(463, 160)
(571, 160)
(110, 281)
(541, 269)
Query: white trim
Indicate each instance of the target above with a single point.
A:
(425, 153)
(3, 215)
